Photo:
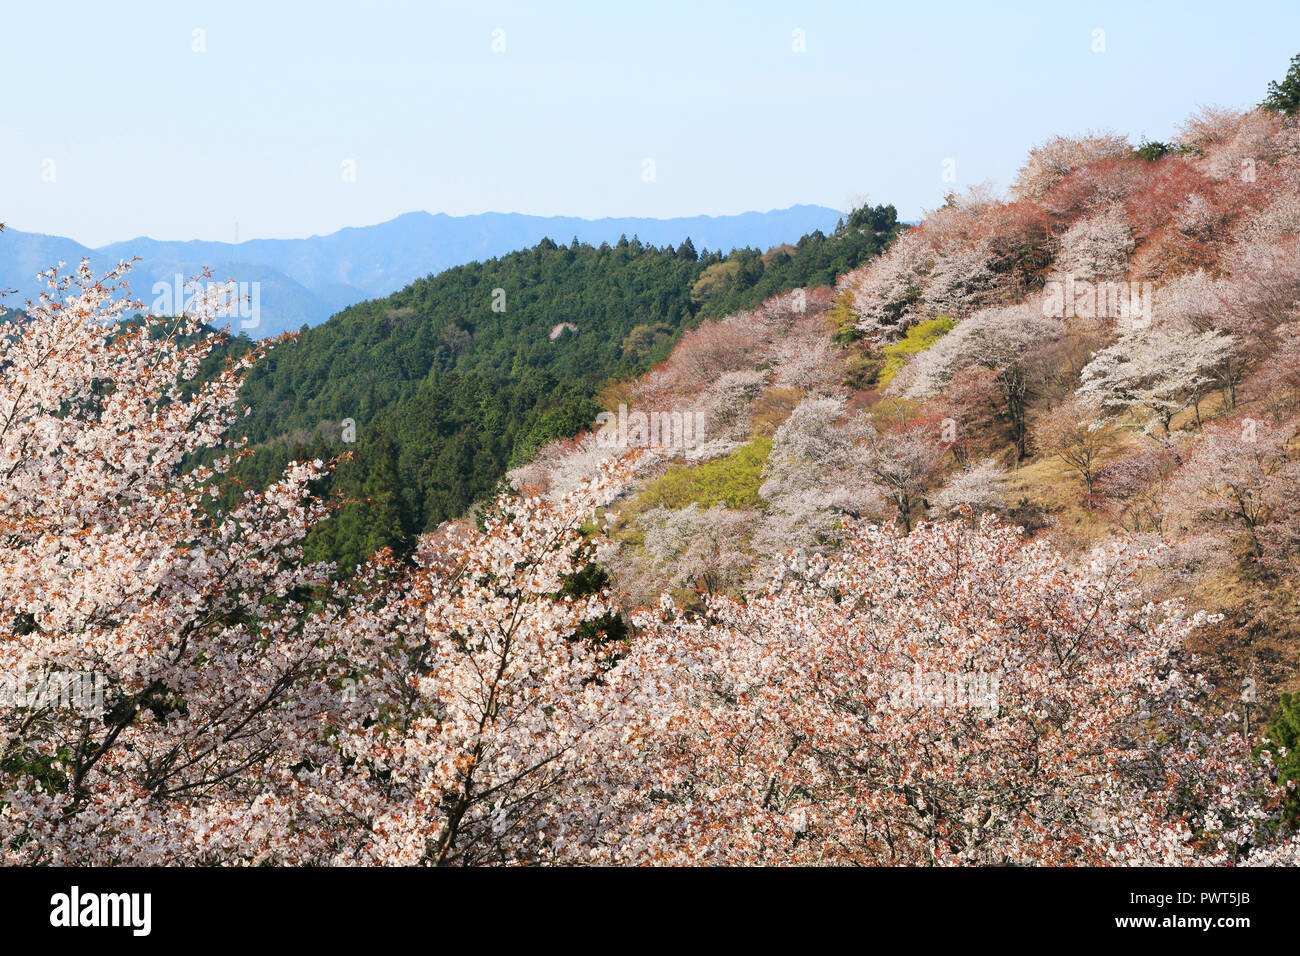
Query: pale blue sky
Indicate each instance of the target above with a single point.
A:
(149, 137)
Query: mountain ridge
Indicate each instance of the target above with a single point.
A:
(306, 280)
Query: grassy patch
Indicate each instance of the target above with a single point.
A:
(772, 408)
(732, 481)
(918, 338)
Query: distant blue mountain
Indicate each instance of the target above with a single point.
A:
(305, 281)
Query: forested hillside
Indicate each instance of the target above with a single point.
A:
(460, 375)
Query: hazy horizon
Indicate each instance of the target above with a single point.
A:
(250, 114)
(9, 227)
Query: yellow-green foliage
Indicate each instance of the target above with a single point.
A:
(733, 481)
(715, 280)
(918, 338)
(861, 371)
(842, 320)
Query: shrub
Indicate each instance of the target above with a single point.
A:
(733, 481)
(918, 338)
(1284, 734)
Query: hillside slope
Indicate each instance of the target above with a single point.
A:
(461, 375)
(1110, 353)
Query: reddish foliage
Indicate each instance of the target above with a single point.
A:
(1095, 187)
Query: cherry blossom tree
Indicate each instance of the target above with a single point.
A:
(697, 548)
(1131, 485)
(197, 624)
(886, 292)
(1253, 138)
(1242, 475)
(466, 681)
(1098, 247)
(253, 711)
(1073, 433)
(814, 475)
(972, 253)
(1209, 125)
(1265, 286)
(808, 362)
(1093, 188)
(1277, 382)
(1153, 374)
(717, 347)
(901, 463)
(1008, 342)
(952, 696)
(979, 487)
(1278, 220)
(969, 403)
(1049, 163)
(728, 401)
(1259, 295)
(1198, 217)
(561, 467)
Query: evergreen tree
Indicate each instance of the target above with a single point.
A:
(1284, 97)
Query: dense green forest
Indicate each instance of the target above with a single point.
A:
(462, 375)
